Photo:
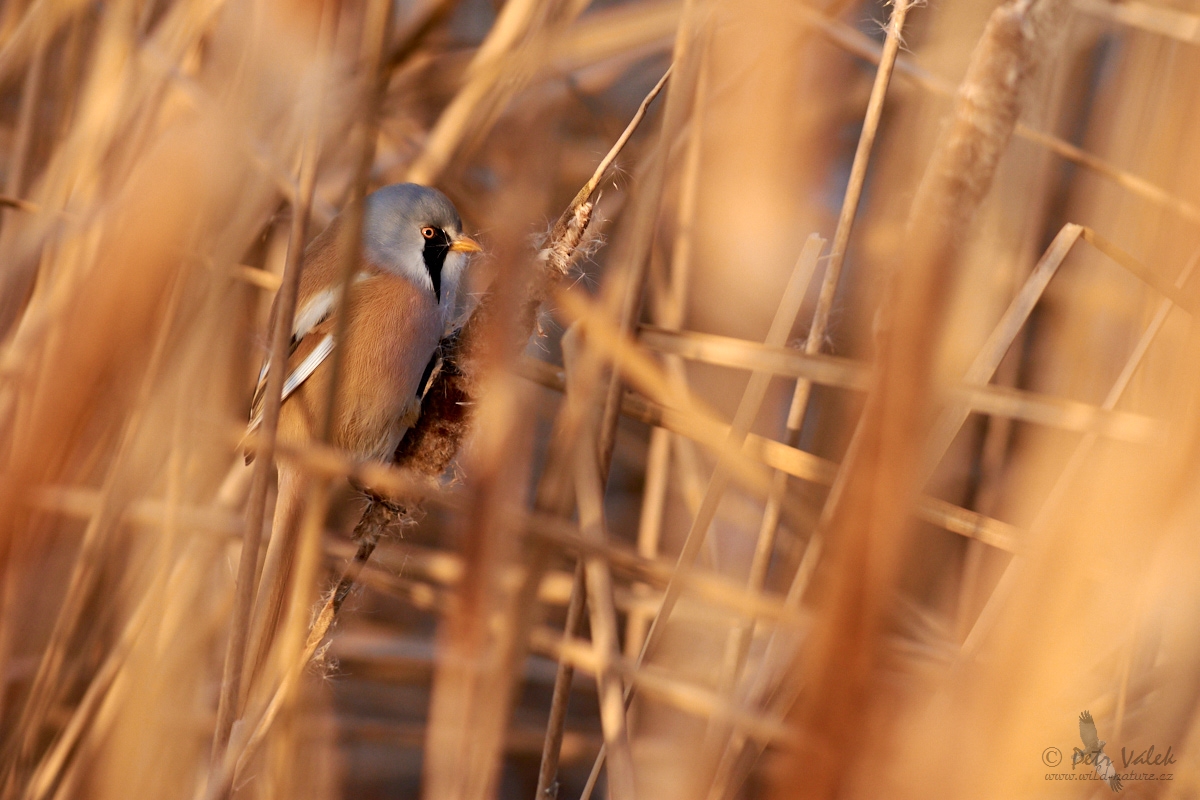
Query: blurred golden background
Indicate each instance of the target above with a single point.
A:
(838, 438)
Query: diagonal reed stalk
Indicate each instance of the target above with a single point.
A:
(865, 515)
(765, 543)
(1067, 476)
(781, 326)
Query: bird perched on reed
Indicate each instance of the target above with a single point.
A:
(403, 297)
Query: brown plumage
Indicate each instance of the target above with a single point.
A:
(378, 397)
(402, 301)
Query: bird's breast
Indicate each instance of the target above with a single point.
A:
(395, 328)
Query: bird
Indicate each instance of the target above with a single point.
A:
(1093, 752)
(403, 300)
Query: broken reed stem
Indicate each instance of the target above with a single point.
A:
(998, 343)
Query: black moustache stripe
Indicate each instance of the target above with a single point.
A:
(436, 248)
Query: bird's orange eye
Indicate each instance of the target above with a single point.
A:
(428, 232)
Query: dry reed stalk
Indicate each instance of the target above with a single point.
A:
(231, 695)
(862, 46)
(301, 545)
(554, 489)
(507, 59)
(624, 32)
(622, 297)
(697, 700)
(474, 682)
(1167, 22)
(623, 294)
(110, 680)
(442, 569)
(703, 586)
(668, 311)
(725, 756)
(39, 22)
(84, 575)
(866, 514)
(789, 307)
(1071, 470)
(589, 492)
(108, 272)
(547, 788)
(781, 326)
(999, 401)
(241, 754)
(84, 503)
(13, 183)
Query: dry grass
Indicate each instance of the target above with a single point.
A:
(701, 505)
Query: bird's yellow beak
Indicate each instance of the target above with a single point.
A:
(465, 244)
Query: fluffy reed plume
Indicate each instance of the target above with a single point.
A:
(822, 422)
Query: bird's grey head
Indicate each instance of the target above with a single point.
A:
(416, 232)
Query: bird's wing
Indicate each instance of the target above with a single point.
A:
(432, 370)
(309, 315)
(313, 312)
(1107, 772)
(310, 359)
(1087, 732)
